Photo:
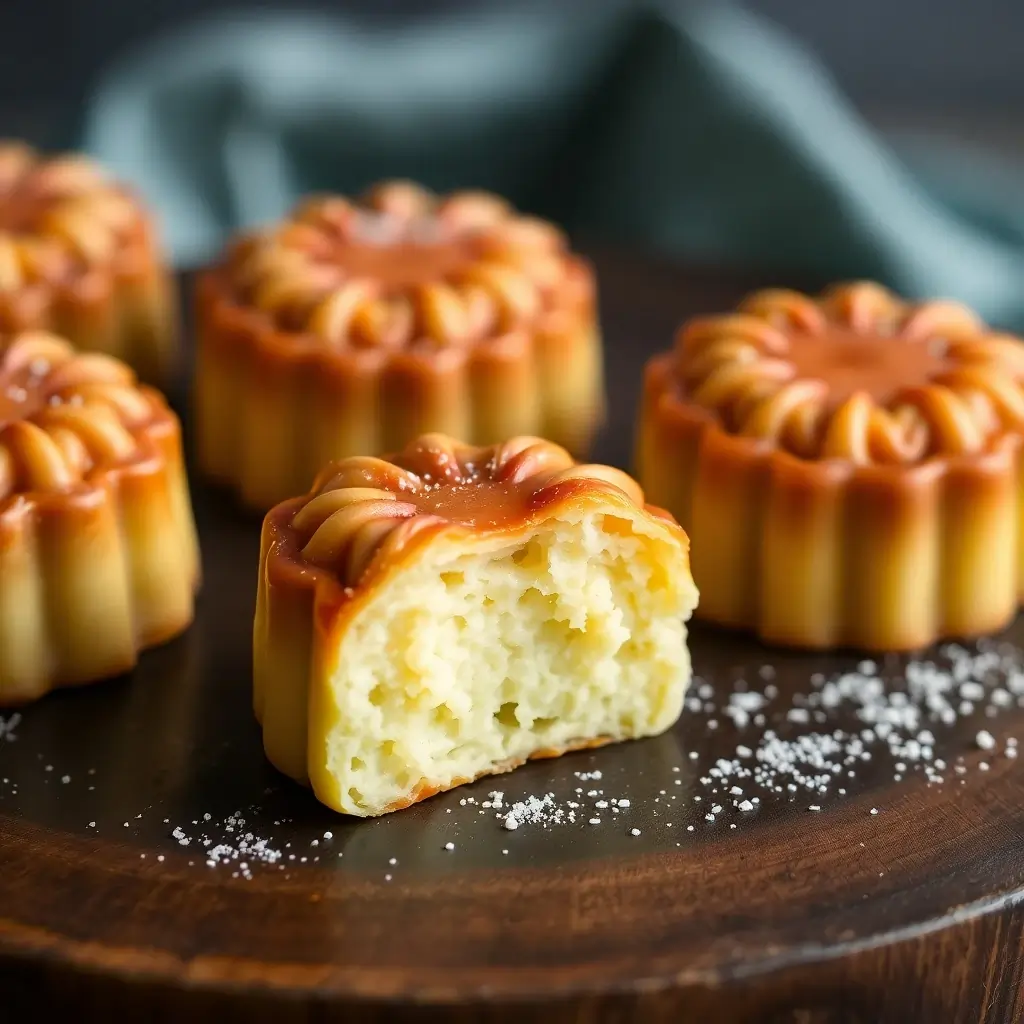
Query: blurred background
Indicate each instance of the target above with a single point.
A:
(879, 138)
(941, 66)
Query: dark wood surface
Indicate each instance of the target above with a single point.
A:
(906, 915)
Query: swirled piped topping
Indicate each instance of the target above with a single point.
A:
(361, 507)
(856, 374)
(64, 414)
(401, 266)
(57, 216)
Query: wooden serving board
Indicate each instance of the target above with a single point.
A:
(854, 887)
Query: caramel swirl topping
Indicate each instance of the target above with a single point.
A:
(856, 374)
(64, 414)
(361, 508)
(399, 267)
(57, 216)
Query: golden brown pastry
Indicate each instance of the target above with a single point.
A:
(452, 611)
(352, 328)
(98, 553)
(847, 466)
(79, 256)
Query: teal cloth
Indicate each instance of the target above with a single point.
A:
(695, 129)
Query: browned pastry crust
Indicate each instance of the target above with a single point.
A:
(352, 328)
(79, 256)
(847, 466)
(98, 554)
(365, 511)
(514, 536)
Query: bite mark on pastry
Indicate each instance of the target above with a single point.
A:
(455, 610)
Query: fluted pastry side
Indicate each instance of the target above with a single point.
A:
(352, 328)
(79, 256)
(98, 553)
(451, 611)
(847, 466)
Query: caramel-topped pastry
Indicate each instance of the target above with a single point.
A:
(98, 553)
(847, 466)
(352, 327)
(79, 256)
(452, 611)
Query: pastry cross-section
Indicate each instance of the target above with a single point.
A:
(79, 256)
(98, 552)
(847, 466)
(353, 327)
(453, 611)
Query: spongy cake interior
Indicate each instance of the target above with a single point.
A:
(481, 653)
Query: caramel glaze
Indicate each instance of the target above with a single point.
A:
(67, 219)
(73, 246)
(22, 394)
(849, 465)
(22, 208)
(403, 264)
(855, 375)
(849, 361)
(284, 333)
(476, 503)
(70, 423)
(402, 267)
(148, 460)
(343, 537)
(65, 281)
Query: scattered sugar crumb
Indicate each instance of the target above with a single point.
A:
(799, 748)
(985, 740)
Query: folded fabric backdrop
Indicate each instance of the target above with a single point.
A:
(693, 129)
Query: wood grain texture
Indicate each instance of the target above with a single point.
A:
(911, 915)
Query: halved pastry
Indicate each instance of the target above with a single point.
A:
(98, 552)
(352, 327)
(453, 611)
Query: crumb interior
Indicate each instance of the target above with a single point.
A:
(471, 659)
